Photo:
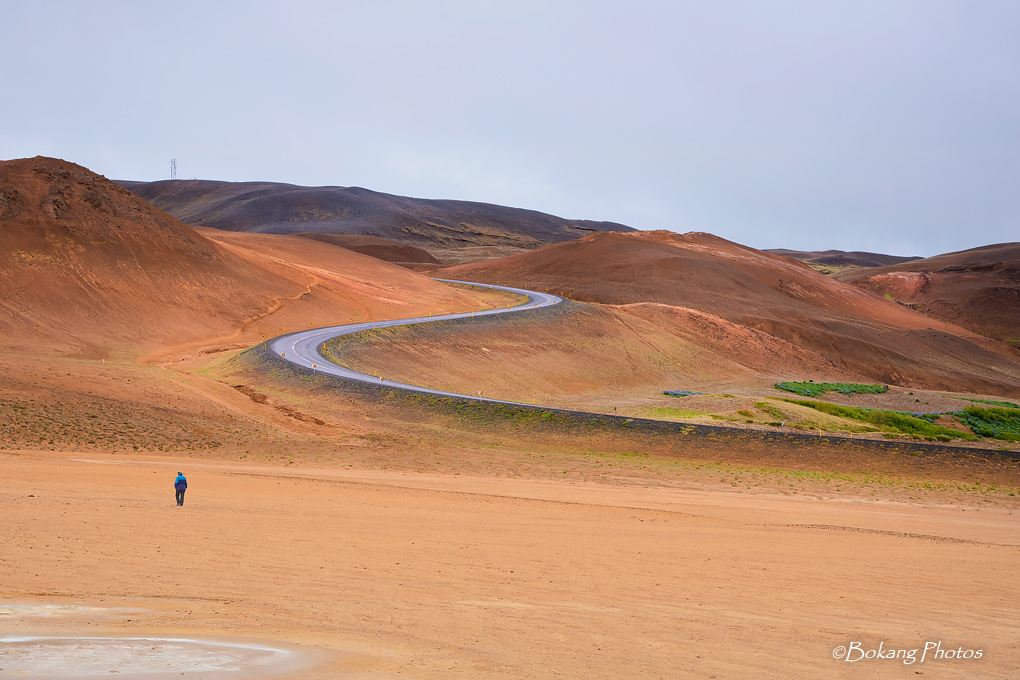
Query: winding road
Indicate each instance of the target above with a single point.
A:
(304, 347)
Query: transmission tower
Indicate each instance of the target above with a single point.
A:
(173, 168)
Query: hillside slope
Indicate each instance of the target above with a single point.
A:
(978, 289)
(270, 207)
(383, 249)
(857, 331)
(89, 268)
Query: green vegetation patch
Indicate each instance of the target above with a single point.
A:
(770, 410)
(1004, 404)
(999, 423)
(670, 412)
(890, 421)
(813, 389)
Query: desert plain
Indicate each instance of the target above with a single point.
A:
(375, 535)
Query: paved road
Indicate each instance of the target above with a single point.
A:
(303, 348)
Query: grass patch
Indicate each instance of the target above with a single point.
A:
(1003, 404)
(670, 412)
(679, 393)
(771, 410)
(813, 389)
(889, 421)
(998, 423)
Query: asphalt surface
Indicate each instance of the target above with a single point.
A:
(304, 347)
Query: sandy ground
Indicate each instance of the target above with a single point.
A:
(387, 574)
(374, 537)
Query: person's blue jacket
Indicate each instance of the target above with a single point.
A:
(181, 482)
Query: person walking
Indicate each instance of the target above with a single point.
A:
(180, 484)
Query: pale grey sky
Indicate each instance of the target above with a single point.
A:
(889, 125)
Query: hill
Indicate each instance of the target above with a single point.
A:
(978, 288)
(661, 276)
(840, 258)
(380, 248)
(435, 225)
(88, 268)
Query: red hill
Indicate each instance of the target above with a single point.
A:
(89, 268)
(857, 330)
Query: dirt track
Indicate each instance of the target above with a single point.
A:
(435, 576)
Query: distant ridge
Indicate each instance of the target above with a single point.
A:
(270, 207)
(841, 258)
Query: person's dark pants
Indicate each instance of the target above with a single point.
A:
(180, 496)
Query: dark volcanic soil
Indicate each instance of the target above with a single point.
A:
(288, 209)
(841, 258)
(381, 248)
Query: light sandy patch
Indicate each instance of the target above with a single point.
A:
(141, 658)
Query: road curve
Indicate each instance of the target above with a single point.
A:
(304, 347)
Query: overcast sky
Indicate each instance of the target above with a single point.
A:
(890, 126)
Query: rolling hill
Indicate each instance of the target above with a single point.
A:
(840, 258)
(90, 269)
(663, 277)
(436, 225)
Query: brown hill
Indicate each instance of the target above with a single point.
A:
(270, 207)
(841, 258)
(380, 248)
(978, 289)
(89, 268)
(857, 331)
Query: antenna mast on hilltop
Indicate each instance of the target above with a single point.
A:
(173, 168)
